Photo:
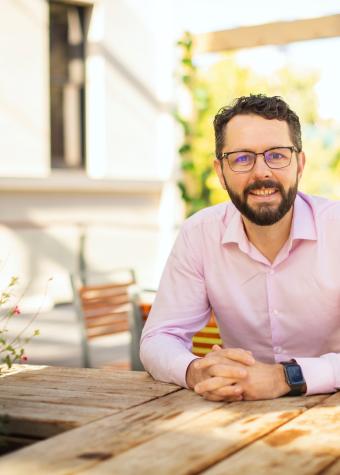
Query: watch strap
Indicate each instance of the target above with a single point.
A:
(296, 389)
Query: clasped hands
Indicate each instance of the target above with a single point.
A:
(233, 374)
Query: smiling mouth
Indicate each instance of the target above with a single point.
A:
(263, 191)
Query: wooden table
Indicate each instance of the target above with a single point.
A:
(102, 422)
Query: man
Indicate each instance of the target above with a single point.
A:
(267, 263)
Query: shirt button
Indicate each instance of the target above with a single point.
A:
(275, 312)
(271, 272)
(277, 349)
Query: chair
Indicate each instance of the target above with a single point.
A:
(202, 341)
(107, 303)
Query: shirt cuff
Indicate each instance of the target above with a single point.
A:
(318, 374)
(179, 368)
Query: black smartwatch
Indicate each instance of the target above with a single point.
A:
(294, 378)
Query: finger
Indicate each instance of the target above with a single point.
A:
(238, 354)
(207, 361)
(212, 397)
(211, 384)
(216, 347)
(234, 399)
(221, 357)
(227, 371)
(234, 391)
(230, 398)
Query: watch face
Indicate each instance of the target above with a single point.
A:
(295, 374)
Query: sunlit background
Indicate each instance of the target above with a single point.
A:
(107, 139)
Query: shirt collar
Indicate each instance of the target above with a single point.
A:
(234, 232)
(303, 224)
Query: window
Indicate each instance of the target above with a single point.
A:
(67, 85)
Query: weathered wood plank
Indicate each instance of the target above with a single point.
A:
(178, 432)
(182, 429)
(48, 401)
(333, 469)
(41, 420)
(109, 398)
(86, 446)
(135, 383)
(277, 33)
(18, 368)
(306, 445)
(194, 446)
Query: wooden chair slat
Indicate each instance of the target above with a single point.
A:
(201, 352)
(105, 287)
(211, 331)
(106, 310)
(107, 301)
(93, 317)
(206, 342)
(107, 330)
(203, 346)
(112, 293)
(205, 335)
(107, 320)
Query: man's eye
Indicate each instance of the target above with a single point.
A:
(275, 156)
(243, 159)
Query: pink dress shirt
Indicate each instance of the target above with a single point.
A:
(286, 309)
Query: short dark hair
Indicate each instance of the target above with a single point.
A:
(267, 107)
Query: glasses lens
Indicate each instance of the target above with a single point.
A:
(278, 157)
(241, 161)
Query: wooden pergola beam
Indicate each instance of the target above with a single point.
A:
(277, 33)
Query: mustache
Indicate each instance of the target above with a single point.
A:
(263, 184)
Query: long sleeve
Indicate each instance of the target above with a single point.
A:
(181, 308)
(322, 374)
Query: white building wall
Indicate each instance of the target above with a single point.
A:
(24, 88)
(126, 202)
(130, 89)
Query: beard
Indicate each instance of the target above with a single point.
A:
(265, 214)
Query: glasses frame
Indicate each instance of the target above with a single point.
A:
(226, 155)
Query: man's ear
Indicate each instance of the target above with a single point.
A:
(301, 163)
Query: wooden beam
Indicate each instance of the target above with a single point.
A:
(278, 33)
(76, 3)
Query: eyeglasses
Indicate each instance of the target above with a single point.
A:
(244, 161)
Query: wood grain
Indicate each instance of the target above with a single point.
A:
(193, 446)
(87, 446)
(277, 33)
(49, 400)
(305, 446)
(168, 430)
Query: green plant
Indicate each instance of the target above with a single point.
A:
(196, 169)
(11, 348)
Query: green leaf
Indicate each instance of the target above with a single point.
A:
(7, 360)
(186, 79)
(185, 148)
(186, 62)
(187, 165)
(183, 190)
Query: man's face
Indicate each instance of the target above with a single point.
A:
(263, 195)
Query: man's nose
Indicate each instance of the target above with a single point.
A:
(261, 168)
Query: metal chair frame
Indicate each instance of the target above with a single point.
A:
(134, 323)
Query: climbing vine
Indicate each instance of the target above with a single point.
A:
(196, 167)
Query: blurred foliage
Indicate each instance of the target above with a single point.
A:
(205, 90)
